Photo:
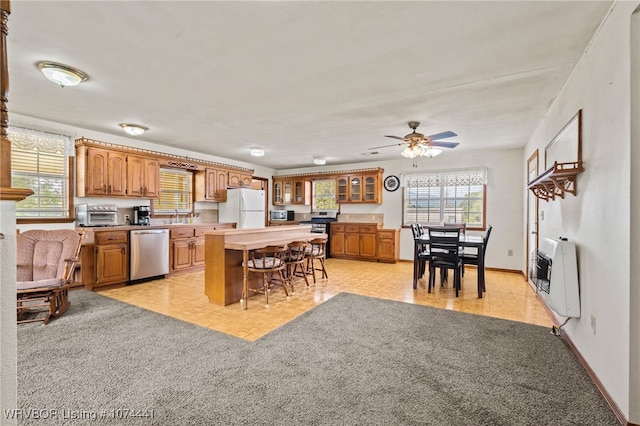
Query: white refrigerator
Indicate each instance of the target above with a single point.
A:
(244, 206)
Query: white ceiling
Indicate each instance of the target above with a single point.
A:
(300, 79)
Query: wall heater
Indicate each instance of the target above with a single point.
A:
(555, 275)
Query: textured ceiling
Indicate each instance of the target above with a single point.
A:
(300, 79)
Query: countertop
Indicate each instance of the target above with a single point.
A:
(91, 230)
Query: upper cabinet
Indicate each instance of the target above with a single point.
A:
(143, 177)
(238, 179)
(211, 185)
(359, 188)
(282, 191)
(301, 191)
(101, 172)
(291, 191)
(105, 170)
(353, 186)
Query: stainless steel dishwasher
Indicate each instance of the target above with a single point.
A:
(149, 253)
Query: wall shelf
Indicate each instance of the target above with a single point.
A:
(556, 181)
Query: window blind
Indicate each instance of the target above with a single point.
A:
(39, 161)
(175, 192)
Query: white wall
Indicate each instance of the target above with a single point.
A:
(504, 198)
(598, 218)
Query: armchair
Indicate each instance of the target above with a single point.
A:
(46, 260)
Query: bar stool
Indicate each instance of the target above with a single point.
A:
(316, 251)
(294, 259)
(268, 261)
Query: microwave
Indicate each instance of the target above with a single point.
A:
(97, 215)
(282, 214)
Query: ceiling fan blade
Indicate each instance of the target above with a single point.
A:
(394, 137)
(443, 144)
(386, 146)
(443, 135)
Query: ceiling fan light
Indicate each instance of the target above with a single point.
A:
(62, 75)
(413, 151)
(133, 129)
(431, 152)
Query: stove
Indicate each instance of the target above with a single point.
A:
(320, 225)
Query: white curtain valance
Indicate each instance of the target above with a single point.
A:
(448, 178)
(36, 140)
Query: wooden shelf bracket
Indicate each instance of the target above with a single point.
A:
(556, 181)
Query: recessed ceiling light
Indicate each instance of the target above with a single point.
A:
(62, 75)
(133, 129)
(319, 161)
(256, 152)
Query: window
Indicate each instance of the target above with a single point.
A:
(175, 192)
(448, 196)
(324, 195)
(40, 162)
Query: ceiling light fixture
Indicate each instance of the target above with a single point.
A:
(415, 150)
(318, 161)
(62, 75)
(431, 152)
(256, 152)
(133, 129)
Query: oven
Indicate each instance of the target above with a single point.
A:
(321, 224)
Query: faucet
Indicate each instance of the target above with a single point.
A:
(177, 219)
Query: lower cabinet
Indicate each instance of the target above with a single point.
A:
(187, 246)
(105, 256)
(360, 241)
(111, 258)
(388, 245)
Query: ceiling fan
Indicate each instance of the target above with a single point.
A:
(421, 145)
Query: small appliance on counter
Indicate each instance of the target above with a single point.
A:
(284, 215)
(96, 215)
(141, 215)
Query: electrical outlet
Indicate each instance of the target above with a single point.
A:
(373, 217)
(541, 214)
(347, 217)
(126, 217)
(593, 323)
(509, 252)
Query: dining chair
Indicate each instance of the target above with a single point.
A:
(294, 260)
(422, 248)
(316, 252)
(268, 262)
(444, 250)
(463, 230)
(472, 258)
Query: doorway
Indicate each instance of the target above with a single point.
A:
(532, 214)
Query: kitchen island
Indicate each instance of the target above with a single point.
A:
(227, 250)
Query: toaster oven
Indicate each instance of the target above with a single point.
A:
(97, 215)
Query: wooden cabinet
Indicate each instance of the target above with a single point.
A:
(211, 185)
(282, 191)
(238, 179)
(368, 235)
(143, 176)
(364, 241)
(187, 245)
(359, 188)
(301, 191)
(112, 257)
(388, 245)
(104, 173)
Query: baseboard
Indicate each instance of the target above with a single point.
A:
(510, 271)
(607, 397)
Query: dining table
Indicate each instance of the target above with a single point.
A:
(465, 240)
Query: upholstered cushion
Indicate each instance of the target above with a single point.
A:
(41, 254)
(264, 263)
(51, 282)
(314, 251)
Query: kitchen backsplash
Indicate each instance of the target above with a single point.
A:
(361, 217)
(201, 216)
